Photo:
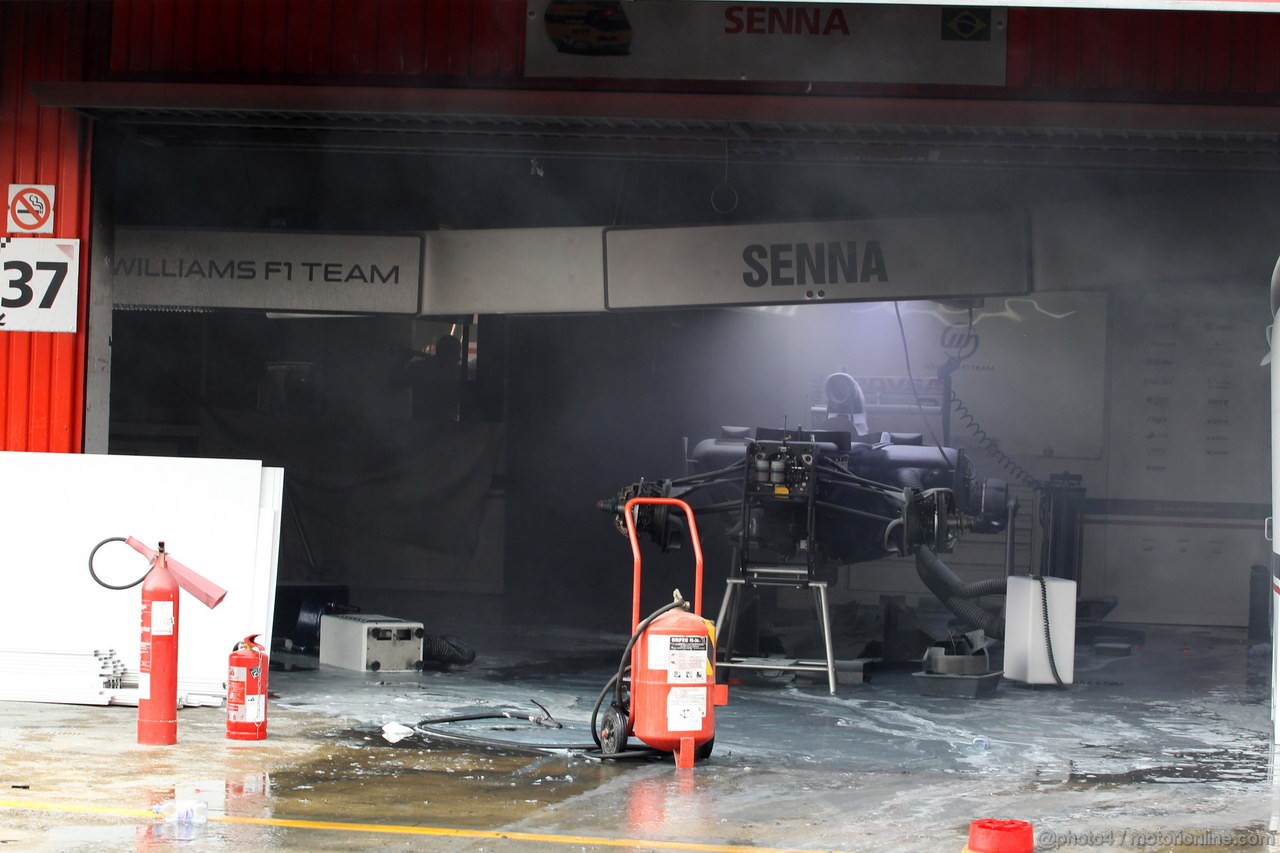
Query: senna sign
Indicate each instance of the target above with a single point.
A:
(267, 270)
(819, 41)
(798, 262)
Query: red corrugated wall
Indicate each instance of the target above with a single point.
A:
(481, 39)
(1146, 56)
(1053, 53)
(42, 374)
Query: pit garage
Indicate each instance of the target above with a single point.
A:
(928, 345)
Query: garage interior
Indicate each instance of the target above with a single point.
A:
(1149, 252)
(628, 390)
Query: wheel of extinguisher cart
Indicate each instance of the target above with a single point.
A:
(613, 730)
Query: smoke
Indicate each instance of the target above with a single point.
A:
(595, 402)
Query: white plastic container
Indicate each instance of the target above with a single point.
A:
(182, 811)
(1026, 652)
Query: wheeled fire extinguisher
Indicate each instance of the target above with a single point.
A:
(247, 691)
(669, 700)
(158, 649)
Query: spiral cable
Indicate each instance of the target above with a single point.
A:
(989, 444)
(986, 442)
(1048, 638)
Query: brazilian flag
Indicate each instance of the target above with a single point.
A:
(966, 24)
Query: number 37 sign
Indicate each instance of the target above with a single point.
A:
(39, 284)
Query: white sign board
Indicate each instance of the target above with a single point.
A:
(270, 270)
(31, 208)
(219, 517)
(826, 42)
(1185, 382)
(40, 286)
(812, 262)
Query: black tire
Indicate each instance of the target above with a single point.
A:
(613, 731)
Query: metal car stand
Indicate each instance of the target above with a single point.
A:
(727, 623)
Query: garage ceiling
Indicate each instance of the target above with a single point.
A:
(663, 126)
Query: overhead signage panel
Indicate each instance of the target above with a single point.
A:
(1159, 5)
(342, 273)
(818, 42)
(803, 262)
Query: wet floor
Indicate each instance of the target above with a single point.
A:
(1164, 749)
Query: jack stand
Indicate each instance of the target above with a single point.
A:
(729, 614)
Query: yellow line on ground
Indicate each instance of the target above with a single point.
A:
(78, 808)
(440, 831)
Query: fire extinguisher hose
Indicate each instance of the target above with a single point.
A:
(430, 728)
(100, 581)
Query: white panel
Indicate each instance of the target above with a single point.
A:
(1188, 401)
(1275, 663)
(208, 512)
(263, 600)
(1274, 371)
(1026, 653)
(1186, 488)
(1179, 571)
(807, 262)
(514, 271)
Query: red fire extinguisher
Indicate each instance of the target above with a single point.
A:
(247, 691)
(158, 667)
(158, 650)
(673, 689)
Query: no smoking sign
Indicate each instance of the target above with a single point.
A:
(30, 208)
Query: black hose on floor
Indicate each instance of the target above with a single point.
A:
(615, 685)
(431, 728)
(955, 594)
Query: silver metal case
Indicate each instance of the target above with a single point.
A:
(366, 641)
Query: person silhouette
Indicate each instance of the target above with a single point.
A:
(434, 379)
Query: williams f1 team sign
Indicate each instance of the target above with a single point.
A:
(40, 286)
(285, 271)
(797, 262)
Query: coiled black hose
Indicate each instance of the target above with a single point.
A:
(955, 594)
(448, 649)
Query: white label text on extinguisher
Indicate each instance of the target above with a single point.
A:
(686, 709)
(144, 654)
(255, 708)
(242, 706)
(235, 686)
(161, 618)
(684, 658)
